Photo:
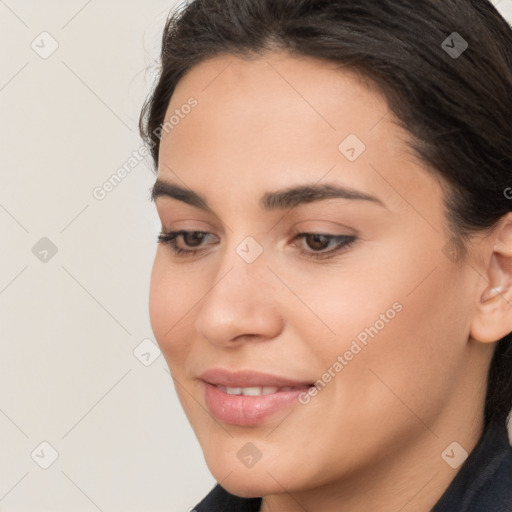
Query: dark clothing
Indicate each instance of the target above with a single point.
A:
(219, 500)
(483, 483)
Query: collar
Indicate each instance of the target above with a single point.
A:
(484, 482)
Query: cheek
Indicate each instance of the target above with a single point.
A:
(167, 310)
(400, 322)
(158, 301)
(412, 361)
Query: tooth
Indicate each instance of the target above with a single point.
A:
(269, 390)
(251, 391)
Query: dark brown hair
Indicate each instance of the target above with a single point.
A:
(458, 108)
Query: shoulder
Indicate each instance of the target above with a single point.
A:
(484, 482)
(220, 500)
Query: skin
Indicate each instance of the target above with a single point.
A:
(372, 439)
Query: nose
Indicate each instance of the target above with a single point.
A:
(241, 305)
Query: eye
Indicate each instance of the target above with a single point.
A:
(191, 238)
(317, 241)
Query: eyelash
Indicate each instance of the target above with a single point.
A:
(344, 242)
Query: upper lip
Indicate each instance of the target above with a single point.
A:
(248, 378)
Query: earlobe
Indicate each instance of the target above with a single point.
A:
(493, 318)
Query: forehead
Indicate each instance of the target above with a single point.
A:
(276, 104)
(301, 83)
(278, 119)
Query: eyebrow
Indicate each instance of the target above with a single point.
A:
(278, 200)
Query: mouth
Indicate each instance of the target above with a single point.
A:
(248, 398)
(249, 379)
(254, 391)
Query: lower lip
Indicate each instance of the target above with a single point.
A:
(248, 410)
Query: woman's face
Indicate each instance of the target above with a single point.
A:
(373, 308)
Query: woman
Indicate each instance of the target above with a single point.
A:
(332, 290)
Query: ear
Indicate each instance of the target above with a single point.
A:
(493, 318)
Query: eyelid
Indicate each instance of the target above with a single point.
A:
(322, 226)
(178, 222)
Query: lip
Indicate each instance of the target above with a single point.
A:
(245, 410)
(249, 378)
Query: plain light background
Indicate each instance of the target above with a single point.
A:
(79, 368)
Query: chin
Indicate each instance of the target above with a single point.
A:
(250, 487)
(246, 482)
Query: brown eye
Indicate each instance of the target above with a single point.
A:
(189, 239)
(317, 242)
(193, 238)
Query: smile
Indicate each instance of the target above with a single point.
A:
(253, 391)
